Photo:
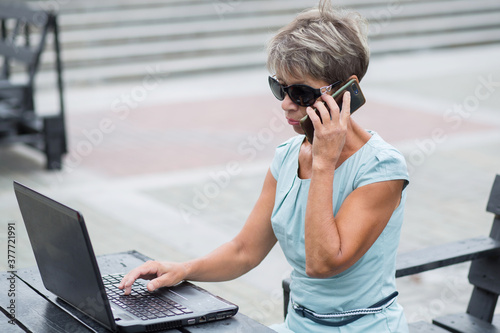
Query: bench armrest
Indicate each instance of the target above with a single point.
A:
(418, 261)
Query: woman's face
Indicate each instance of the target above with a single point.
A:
(294, 112)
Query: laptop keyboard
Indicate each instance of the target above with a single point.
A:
(141, 302)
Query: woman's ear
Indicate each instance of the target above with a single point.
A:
(353, 77)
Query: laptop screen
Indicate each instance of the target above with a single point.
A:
(63, 253)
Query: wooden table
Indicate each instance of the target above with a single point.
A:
(38, 310)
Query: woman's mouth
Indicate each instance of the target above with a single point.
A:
(293, 121)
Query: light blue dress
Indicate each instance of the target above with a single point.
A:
(371, 278)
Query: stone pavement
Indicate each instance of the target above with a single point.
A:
(172, 167)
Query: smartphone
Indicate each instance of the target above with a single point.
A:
(357, 100)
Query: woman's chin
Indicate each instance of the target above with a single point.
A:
(298, 129)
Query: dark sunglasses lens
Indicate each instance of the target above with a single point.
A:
(302, 95)
(277, 89)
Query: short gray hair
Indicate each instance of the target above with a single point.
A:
(323, 43)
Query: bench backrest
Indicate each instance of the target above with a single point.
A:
(484, 273)
(17, 21)
(23, 35)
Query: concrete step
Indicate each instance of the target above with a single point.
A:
(66, 6)
(139, 71)
(235, 26)
(435, 41)
(160, 50)
(438, 29)
(190, 12)
(97, 5)
(80, 6)
(187, 12)
(249, 36)
(256, 10)
(172, 31)
(432, 25)
(102, 39)
(117, 39)
(412, 9)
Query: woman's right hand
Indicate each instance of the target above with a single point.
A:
(330, 130)
(160, 274)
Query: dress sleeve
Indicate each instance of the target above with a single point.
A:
(388, 164)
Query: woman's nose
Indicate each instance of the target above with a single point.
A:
(288, 105)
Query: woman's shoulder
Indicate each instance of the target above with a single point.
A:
(382, 150)
(380, 161)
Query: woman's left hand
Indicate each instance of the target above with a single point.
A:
(329, 131)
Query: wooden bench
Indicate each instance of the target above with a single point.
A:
(23, 34)
(484, 275)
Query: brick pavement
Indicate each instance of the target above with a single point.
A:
(175, 174)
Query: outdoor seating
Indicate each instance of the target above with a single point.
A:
(484, 275)
(24, 32)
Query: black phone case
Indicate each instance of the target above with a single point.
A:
(357, 100)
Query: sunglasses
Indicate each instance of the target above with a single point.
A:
(300, 94)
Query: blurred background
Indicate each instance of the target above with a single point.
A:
(171, 128)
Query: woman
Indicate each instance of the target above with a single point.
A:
(335, 206)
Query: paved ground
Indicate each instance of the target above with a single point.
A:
(172, 167)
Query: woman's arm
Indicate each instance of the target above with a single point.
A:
(227, 262)
(335, 243)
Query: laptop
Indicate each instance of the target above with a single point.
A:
(69, 269)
